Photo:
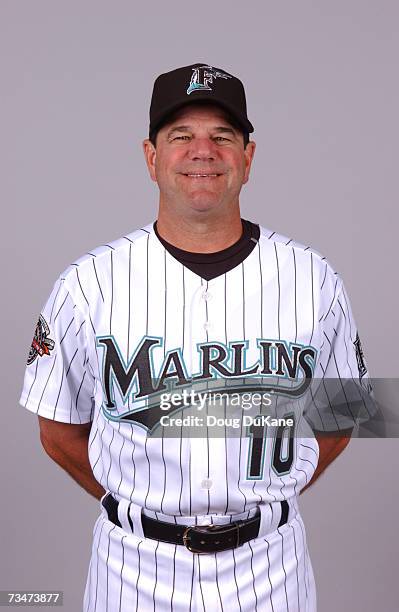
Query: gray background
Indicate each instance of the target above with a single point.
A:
(321, 82)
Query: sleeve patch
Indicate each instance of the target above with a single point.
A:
(361, 364)
(41, 343)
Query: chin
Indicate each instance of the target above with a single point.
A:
(203, 201)
(203, 207)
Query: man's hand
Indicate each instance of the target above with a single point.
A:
(330, 447)
(67, 445)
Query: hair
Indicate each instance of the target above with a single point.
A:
(229, 118)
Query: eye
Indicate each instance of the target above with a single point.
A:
(181, 137)
(222, 138)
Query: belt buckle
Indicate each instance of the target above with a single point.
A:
(206, 529)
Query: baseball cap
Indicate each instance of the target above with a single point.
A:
(197, 83)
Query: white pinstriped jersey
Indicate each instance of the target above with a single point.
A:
(128, 316)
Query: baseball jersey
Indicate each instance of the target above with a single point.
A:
(128, 324)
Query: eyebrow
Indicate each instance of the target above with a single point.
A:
(186, 128)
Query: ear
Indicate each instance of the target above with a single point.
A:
(150, 155)
(249, 153)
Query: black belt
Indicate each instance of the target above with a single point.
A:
(198, 539)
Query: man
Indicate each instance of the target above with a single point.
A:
(202, 301)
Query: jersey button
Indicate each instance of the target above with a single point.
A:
(207, 325)
(206, 483)
(206, 295)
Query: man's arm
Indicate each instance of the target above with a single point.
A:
(67, 445)
(329, 448)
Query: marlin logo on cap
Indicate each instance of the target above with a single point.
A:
(202, 76)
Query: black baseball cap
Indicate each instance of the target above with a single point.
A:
(197, 83)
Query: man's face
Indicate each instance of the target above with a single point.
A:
(199, 162)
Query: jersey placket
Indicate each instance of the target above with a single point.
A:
(205, 326)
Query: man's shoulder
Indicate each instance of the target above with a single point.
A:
(90, 276)
(89, 261)
(283, 243)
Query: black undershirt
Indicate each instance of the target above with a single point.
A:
(210, 265)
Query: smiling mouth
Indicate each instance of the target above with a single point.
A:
(196, 175)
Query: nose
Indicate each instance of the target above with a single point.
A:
(202, 149)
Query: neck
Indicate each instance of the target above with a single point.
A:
(207, 234)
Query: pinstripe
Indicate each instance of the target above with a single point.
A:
(306, 581)
(98, 282)
(282, 563)
(268, 574)
(217, 581)
(100, 455)
(330, 408)
(121, 573)
(59, 393)
(97, 556)
(70, 363)
(332, 301)
(192, 582)
(81, 288)
(344, 336)
(60, 308)
(324, 278)
(133, 461)
(120, 465)
(110, 457)
(61, 284)
(200, 581)
(47, 381)
(107, 565)
(80, 386)
(181, 470)
(342, 385)
(138, 575)
(156, 575)
(85, 298)
(253, 577)
(91, 570)
(296, 568)
(149, 472)
(33, 382)
(309, 447)
(349, 318)
(313, 310)
(174, 575)
(66, 331)
(235, 580)
(329, 354)
(307, 461)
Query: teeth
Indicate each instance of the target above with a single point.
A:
(204, 175)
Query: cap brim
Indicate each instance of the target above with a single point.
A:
(242, 121)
